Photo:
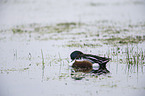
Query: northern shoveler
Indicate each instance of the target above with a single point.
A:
(86, 61)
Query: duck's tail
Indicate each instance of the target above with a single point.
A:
(103, 63)
(102, 68)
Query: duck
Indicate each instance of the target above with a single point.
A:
(82, 61)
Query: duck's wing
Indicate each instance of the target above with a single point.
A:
(96, 59)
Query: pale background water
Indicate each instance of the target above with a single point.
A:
(22, 72)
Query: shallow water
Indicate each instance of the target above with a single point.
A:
(36, 39)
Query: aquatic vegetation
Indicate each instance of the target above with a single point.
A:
(56, 28)
(43, 65)
(83, 45)
(135, 56)
(68, 25)
(126, 40)
(60, 27)
(42, 58)
(97, 4)
(14, 30)
(130, 55)
(14, 69)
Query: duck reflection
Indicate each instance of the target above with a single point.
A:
(80, 73)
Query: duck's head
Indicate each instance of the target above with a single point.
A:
(75, 54)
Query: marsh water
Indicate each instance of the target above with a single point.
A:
(38, 36)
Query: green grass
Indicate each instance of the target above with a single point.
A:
(14, 69)
(43, 65)
(126, 40)
(42, 58)
(131, 55)
(55, 28)
(135, 55)
(83, 45)
(15, 30)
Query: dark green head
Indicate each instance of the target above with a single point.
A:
(75, 54)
